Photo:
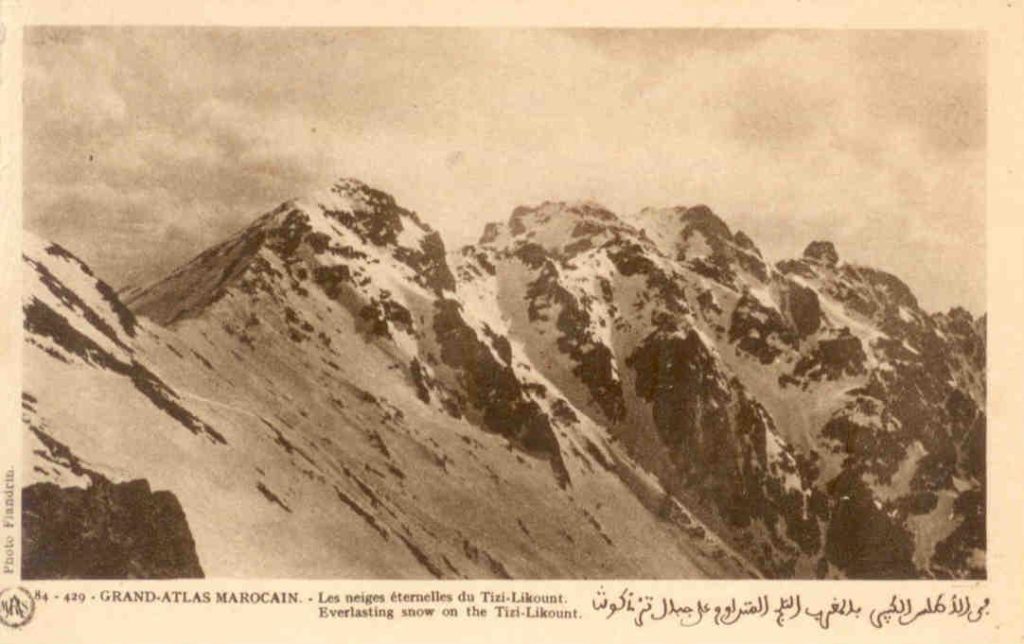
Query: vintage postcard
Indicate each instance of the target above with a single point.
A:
(373, 325)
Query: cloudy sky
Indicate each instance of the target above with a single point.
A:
(143, 146)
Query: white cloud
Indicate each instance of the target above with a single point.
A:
(790, 136)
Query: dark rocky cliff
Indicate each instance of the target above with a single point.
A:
(107, 531)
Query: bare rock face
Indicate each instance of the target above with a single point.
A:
(493, 389)
(862, 541)
(759, 330)
(724, 446)
(802, 306)
(593, 362)
(833, 358)
(107, 531)
(678, 375)
(701, 239)
(822, 251)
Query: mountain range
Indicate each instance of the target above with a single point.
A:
(332, 392)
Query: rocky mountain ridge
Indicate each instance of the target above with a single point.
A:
(672, 403)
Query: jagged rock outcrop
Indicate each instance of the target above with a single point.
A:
(822, 251)
(106, 531)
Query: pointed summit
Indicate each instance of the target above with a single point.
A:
(822, 251)
(560, 227)
(349, 233)
(350, 184)
(699, 237)
(702, 218)
(573, 211)
(371, 213)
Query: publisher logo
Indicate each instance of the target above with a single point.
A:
(16, 607)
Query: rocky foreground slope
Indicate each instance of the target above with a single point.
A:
(330, 393)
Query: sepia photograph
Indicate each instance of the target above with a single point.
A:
(475, 303)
